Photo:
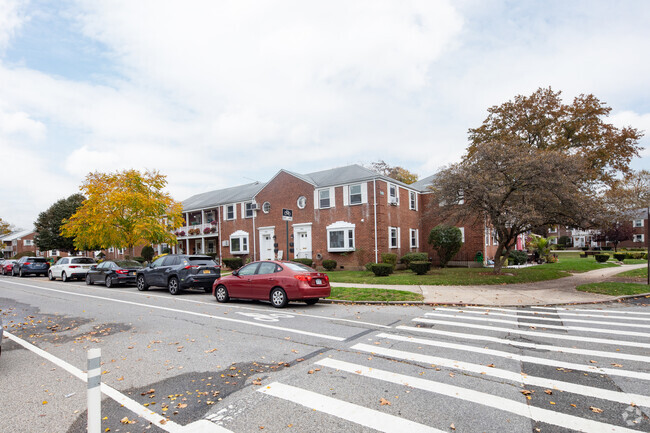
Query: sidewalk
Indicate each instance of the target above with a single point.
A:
(560, 291)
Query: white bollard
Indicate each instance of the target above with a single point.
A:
(94, 391)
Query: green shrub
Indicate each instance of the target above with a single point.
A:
(382, 269)
(329, 265)
(447, 241)
(369, 266)
(414, 257)
(518, 257)
(233, 262)
(420, 267)
(645, 256)
(601, 258)
(620, 256)
(147, 253)
(139, 259)
(306, 262)
(389, 258)
(635, 256)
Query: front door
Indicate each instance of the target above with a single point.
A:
(266, 244)
(302, 236)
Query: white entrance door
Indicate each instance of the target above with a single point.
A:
(266, 244)
(302, 239)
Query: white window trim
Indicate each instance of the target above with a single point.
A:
(346, 228)
(634, 223)
(638, 238)
(462, 234)
(486, 237)
(241, 235)
(390, 237)
(225, 212)
(389, 198)
(317, 198)
(244, 210)
(414, 235)
(266, 211)
(28, 242)
(413, 204)
(347, 194)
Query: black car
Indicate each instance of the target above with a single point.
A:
(30, 265)
(178, 272)
(112, 273)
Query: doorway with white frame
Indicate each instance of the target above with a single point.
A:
(267, 240)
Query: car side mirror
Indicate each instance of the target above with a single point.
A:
(93, 267)
(235, 273)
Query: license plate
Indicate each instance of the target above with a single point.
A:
(132, 273)
(319, 281)
(206, 271)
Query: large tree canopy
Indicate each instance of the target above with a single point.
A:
(542, 121)
(124, 209)
(48, 224)
(5, 227)
(398, 173)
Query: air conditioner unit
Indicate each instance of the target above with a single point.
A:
(255, 206)
(392, 201)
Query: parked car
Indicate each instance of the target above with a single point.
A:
(112, 273)
(178, 272)
(68, 268)
(30, 265)
(274, 281)
(7, 266)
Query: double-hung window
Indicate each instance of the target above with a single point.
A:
(413, 204)
(340, 237)
(393, 198)
(637, 238)
(248, 207)
(355, 194)
(638, 223)
(413, 234)
(324, 198)
(393, 237)
(239, 242)
(230, 212)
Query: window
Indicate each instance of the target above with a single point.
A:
(340, 237)
(355, 194)
(248, 269)
(239, 242)
(552, 229)
(158, 262)
(28, 242)
(393, 198)
(638, 223)
(487, 237)
(209, 216)
(120, 251)
(393, 237)
(413, 203)
(302, 202)
(248, 207)
(111, 249)
(230, 212)
(267, 268)
(637, 238)
(413, 234)
(266, 207)
(495, 237)
(462, 234)
(324, 198)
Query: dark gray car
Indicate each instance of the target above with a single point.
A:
(30, 265)
(178, 272)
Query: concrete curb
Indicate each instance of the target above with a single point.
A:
(419, 303)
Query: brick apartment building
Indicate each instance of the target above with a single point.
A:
(349, 214)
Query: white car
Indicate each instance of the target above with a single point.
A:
(68, 268)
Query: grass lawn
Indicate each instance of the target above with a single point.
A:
(634, 261)
(362, 295)
(634, 273)
(569, 263)
(615, 289)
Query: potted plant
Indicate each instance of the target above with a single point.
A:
(206, 230)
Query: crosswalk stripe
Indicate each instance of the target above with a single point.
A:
(619, 397)
(349, 411)
(571, 422)
(522, 358)
(564, 313)
(572, 338)
(608, 312)
(561, 349)
(541, 325)
(537, 317)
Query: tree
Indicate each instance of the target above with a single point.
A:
(447, 241)
(541, 121)
(514, 189)
(615, 232)
(147, 253)
(48, 224)
(5, 227)
(124, 209)
(398, 173)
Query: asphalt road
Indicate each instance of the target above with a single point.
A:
(187, 363)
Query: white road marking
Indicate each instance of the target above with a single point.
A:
(591, 311)
(564, 313)
(120, 398)
(522, 358)
(542, 325)
(175, 310)
(348, 411)
(539, 334)
(589, 391)
(537, 317)
(570, 422)
(561, 349)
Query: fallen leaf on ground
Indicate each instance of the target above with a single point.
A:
(384, 402)
(595, 409)
(548, 391)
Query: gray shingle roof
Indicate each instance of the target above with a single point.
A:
(422, 185)
(218, 197)
(16, 235)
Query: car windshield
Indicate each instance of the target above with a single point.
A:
(299, 267)
(202, 261)
(84, 261)
(128, 264)
(37, 259)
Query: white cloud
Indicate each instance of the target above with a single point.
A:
(11, 19)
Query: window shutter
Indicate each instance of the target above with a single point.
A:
(332, 197)
(316, 199)
(346, 195)
(399, 238)
(364, 192)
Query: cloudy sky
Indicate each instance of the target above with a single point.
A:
(219, 93)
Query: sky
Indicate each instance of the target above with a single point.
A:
(216, 93)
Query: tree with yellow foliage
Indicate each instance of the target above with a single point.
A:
(124, 209)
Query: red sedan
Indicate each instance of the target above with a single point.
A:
(274, 281)
(8, 266)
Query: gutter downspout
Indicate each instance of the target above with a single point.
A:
(374, 196)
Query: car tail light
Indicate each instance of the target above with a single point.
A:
(73, 266)
(122, 271)
(301, 277)
(192, 267)
(27, 263)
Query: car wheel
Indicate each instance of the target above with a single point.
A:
(89, 280)
(221, 293)
(21, 274)
(50, 276)
(109, 282)
(142, 284)
(311, 301)
(173, 286)
(279, 298)
(64, 277)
